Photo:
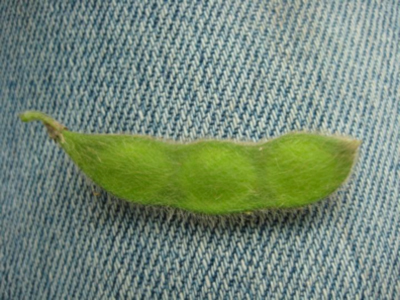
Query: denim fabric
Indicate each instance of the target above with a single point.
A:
(244, 70)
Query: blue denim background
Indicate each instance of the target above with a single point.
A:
(244, 70)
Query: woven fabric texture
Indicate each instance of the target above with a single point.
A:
(185, 70)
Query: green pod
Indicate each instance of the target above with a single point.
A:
(210, 176)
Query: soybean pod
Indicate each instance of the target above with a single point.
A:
(210, 176)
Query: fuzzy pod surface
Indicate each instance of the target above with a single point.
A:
(210, 176)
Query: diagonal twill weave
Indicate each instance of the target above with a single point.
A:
(245, 70)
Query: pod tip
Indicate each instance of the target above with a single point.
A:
(353, 144)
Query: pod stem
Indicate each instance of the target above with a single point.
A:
(54, 128)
